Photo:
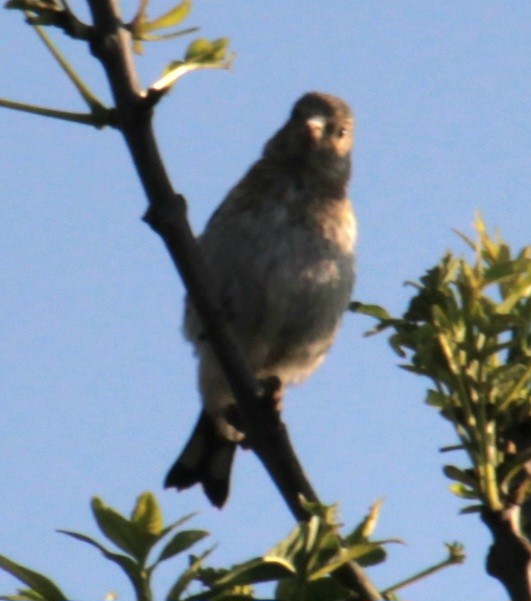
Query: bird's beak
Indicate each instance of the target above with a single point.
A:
(316, 126)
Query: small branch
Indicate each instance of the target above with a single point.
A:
(167, 81)
(99, 115)
(455, 557)
(90, 99)
(85, 118)
(63, 18)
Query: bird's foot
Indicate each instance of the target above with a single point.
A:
(272, 392)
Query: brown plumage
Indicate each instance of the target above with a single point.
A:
(281, 248)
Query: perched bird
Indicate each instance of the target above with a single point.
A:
(281, 250)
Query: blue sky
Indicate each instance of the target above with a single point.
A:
(98, 389)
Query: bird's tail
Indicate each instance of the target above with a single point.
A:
(206, 459)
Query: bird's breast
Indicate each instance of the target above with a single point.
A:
(336, 223)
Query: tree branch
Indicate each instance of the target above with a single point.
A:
(509, 558)
(62, 17)
(266, 434)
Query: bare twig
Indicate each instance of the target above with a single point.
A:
(89, 98)
(455, 556)
(99, 121)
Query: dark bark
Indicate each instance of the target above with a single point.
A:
(509, 558)
(266, 434)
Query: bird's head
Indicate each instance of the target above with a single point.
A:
(317, 139)
(322, 122)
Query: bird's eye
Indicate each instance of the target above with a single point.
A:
(342, 132)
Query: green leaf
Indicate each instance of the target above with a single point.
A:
(454, 473)
(23, 595)
(201, 54)
(511, 468)
(354, 552)
(510, 269)
(179, 522)
(471, 509)
(366, 527)
(370, 310)
(466, 239)
(147, 514)
(131, 569)
(118, 529)
(30, 594)
(39, 583)
(173, 17)
(37, 6)
(396, 342)
(290, 547)
(519, 377)
(436, 399)
(261, 569)
(327, 513)
(518, 293)
(372, 558)
(327, 589)
(235, 583)
(187, 577)
(141, 28)
(202, 50)
(463, 491)
(151, 37)
(312, 532)
(181, 542)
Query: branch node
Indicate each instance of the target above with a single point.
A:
(163, 216)
(64, 19)
(153, 97)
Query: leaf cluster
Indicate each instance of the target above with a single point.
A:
(133, 538)
(468, 329)
(142, 29)
(200, 54)
(302, 564)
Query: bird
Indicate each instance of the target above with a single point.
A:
(281, 250)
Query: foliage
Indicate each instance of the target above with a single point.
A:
(301, 565)
(312, 552)
(141, 27)
(135, 537)
(200, 54)
(468, 329)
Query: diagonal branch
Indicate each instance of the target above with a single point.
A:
(266, 434)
